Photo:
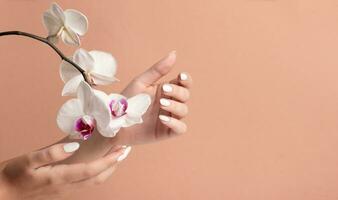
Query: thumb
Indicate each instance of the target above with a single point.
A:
(158, 70)
(52, 154)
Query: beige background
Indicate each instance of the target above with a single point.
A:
(263, 122)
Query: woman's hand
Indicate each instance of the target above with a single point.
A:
(164, 116)
(37, 176)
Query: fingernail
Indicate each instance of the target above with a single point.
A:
(71, 147)
(124, 154)
(183, 76)
(164, 102)
(167, 88)
(164, 118)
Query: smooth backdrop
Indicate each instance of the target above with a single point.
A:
(263, 121)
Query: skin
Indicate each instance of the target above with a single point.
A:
(34, 176)
(99, 151)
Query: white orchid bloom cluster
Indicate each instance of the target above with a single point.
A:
(92, 109)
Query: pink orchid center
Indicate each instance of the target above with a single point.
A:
(85, 126)
(118, 107)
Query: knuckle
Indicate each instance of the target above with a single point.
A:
(183, 93)
(48, 155)
(185, 110)
(173, 106)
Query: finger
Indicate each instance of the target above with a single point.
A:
(184, 79)
(177, 92)
(99, 179)
(82, 171)
(52, 154)
(175, 125)
(158, 70)
(177, 108)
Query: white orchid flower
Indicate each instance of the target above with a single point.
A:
(68, 24)
(125, 112)
(81, 116)
(99, 66)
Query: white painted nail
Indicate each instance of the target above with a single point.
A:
(183, 76)
(164, 118)
(167, 88)
(164, 102)
(124, 155)
(71, 147)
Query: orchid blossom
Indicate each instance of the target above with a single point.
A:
(68, 24)
(81, 116)
(100, 67)
(125, 112)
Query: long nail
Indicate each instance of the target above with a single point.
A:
(167, 88)
(164, 102)
(164, 118)
(124, 154)
(71, 147)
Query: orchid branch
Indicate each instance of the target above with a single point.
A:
(58, 51)
(92, 109)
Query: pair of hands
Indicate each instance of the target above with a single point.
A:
(43, 173)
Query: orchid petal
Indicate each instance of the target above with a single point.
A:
(71, 86)
(83, 59)
(70, 37)
(100, 111)
(67, 71)
(52, 24)
(76, 21)
(117, 123)
(68, 114)
(57, 12)
(94, 104)
(84, 94)
(104, 64)
(116, 96)
(102, 79)
(108, 132)
(138, 105)
(114, 126)
(129, 121)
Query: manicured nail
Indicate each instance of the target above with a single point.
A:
(183, 76)
(164, 102)
(167, 88)
(164, 118)
(71, 147)
(124, 154)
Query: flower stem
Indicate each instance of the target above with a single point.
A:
(44, 40)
